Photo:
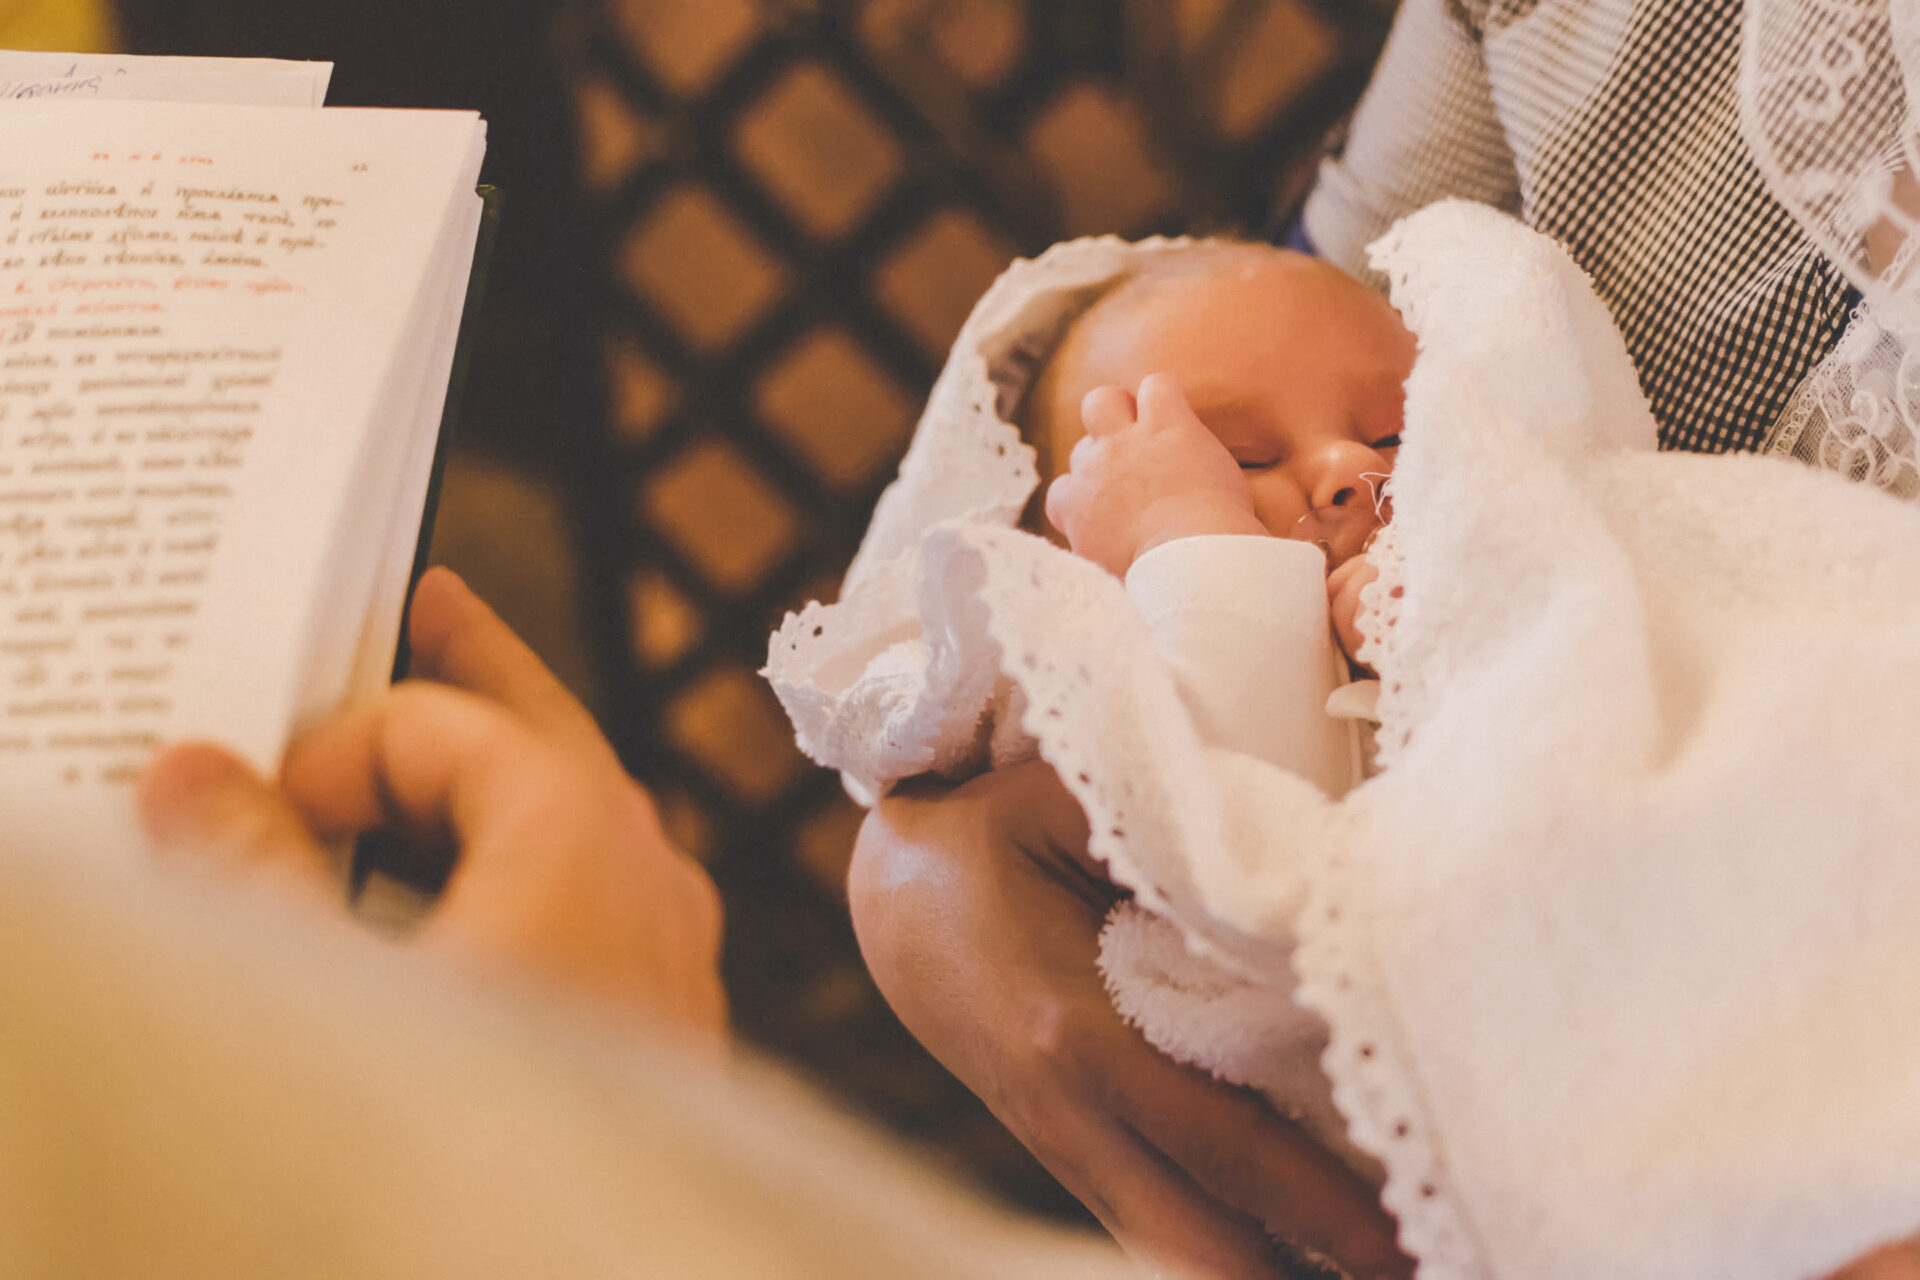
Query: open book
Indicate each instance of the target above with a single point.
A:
(226, 331)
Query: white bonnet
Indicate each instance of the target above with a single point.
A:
(967, 460)
(852, 675)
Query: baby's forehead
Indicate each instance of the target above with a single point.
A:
(1235, 295)
(1123, 330)
(1232, 270)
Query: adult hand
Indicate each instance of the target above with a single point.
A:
(562, 870)
(979, 916)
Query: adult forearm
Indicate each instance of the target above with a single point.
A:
(980, 919)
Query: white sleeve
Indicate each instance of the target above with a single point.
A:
(1241, 623)
(1425, 129)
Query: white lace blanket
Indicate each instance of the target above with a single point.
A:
(1618, 952)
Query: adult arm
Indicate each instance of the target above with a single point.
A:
(980, 919)
(1426, 129)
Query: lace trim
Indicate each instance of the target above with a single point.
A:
(1381, 604)
(1150, 843)
(1374, 1081)
(1858, 413)
(1033, 610)
(1824, 111)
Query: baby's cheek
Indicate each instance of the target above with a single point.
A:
(1278, 503)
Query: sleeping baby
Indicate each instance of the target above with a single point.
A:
(1269, 393)
(1606, 968)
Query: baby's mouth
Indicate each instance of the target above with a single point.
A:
(1342, 532)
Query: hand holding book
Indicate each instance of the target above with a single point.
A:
(564, 873)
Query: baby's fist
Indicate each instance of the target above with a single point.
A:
(1146, 472)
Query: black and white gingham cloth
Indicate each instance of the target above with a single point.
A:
(1613, 126)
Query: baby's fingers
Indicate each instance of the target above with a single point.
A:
(1162, 404)
(1063, 504)
(1107, 411)
(1344, 585)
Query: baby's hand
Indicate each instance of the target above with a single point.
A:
(1343, 601)
(1142, 477)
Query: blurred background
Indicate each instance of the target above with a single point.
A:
(738, 236)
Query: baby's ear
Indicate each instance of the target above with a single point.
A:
(1508, 310)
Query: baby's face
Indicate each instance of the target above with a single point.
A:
(1294, 366)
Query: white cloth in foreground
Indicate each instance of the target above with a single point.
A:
(1617, 951)
(198, 1087)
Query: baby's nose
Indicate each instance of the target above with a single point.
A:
(1342, 481)
(1344, 472)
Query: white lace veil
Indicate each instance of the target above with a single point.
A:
(1824, 87)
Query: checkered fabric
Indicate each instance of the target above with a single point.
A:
(1612, 125)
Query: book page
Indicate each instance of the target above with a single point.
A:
(201, 315)
(396, 543)
(34, 76)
